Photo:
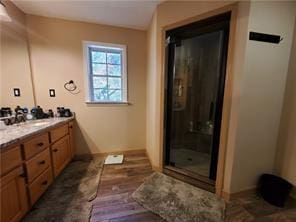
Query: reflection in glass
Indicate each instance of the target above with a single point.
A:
(195, 84)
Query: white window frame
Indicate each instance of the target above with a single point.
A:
(88, 84)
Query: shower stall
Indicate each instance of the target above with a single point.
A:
(195, 75)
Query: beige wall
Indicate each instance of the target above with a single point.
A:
(241, 38)
(14, 61)
(151, 92)
(286, 153)
(57, 57)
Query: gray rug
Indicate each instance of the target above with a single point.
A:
(69, 198)
(176, 201)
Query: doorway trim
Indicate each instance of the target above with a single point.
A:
(227, 98)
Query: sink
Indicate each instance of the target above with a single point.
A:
(33, 123)
(39, 124)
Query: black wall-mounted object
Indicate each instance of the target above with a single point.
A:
(263, 37)
(51, 92)
(17, 92)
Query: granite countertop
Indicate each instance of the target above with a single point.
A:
(15, 133)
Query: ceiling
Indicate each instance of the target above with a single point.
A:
(134, 14)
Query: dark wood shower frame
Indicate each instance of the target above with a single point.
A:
(198, 180)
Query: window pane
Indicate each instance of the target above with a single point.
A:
(100, 94)
(115, 95)
(99, 69)
(114, 83)
(114, 70)
(98, 56)
(99, 82)
(114, 58)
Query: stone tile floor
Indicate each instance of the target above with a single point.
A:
(255, 209)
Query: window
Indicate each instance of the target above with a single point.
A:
(106, 72)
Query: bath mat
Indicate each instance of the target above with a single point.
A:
(68, 199)
(176, 201)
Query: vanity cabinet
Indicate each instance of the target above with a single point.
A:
(10, 159)
(71, 137)
(61, 154)
(35, 145)
(40, 185)
(38, 164)
(28, 168)
(14, 202)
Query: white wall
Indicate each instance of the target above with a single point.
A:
(286, 152)
(262, 90)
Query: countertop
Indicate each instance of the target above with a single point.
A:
(13, 134)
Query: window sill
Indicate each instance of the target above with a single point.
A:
(108, 103)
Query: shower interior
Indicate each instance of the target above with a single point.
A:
(195, 73)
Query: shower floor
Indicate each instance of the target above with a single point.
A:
(191, 160)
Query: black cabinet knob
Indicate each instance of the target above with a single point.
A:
(23, 175)
(55, 150)
(40, 144)
(44, 182)
(42, 162)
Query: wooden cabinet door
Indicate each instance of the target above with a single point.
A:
(61, 154)
(10, 159)
(58, 132)
(14, 200)
(72, 142)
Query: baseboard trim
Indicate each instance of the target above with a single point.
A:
(103, 154)
(155, 168)
(241, 194)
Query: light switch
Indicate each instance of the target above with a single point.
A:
(17, 92)
(51, 92)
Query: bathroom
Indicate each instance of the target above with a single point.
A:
(196, 99)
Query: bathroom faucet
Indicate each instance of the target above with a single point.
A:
(19, 117)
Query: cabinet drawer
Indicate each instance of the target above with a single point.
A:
(36, 145)
(61, 154)
(37, 164)
(59, 132)
(10, 159)
(39, 186)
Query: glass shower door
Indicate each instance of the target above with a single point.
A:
(196, 70)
